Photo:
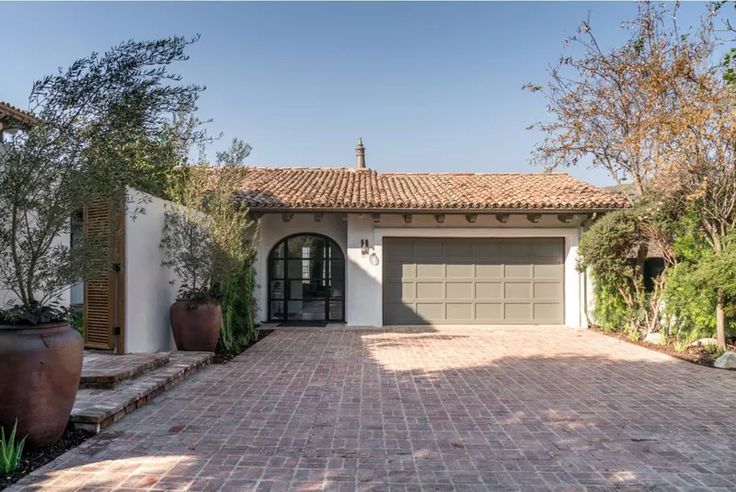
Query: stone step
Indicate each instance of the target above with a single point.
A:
(105, 370)
(95, 408)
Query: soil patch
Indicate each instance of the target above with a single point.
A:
(697, 355)
(223, 357)
(36, 458)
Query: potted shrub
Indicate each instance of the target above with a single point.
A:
(109, 121)
(207, 243)
(188, 247)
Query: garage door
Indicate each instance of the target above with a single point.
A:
(473, 281)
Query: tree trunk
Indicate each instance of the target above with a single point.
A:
(720, 321)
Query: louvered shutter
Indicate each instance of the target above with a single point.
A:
(104, 306)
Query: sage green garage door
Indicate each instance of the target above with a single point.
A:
(473, 281)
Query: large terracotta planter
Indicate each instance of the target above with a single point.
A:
(196, 324)
(40, 368)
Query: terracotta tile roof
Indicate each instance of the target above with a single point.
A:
(365, 189)
(15, 115)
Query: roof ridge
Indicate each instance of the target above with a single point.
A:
(309, 168)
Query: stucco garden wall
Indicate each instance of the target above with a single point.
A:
(148, 291)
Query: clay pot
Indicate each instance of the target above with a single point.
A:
(40, 366)
(196, 324)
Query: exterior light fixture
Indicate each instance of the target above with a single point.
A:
(364, 247)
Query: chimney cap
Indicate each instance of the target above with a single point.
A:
(360, 154)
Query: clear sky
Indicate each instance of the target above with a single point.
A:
(429, 86)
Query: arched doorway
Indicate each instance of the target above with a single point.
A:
(306, 279)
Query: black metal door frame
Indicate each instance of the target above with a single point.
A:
(328, 259)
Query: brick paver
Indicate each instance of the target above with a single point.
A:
(469, 408)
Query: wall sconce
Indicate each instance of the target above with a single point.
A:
(364, 247)
(373, 258)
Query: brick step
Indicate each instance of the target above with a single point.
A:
(95, 408)
(104, 370)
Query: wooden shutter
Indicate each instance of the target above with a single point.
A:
(104, 299)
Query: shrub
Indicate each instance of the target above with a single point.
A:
(238, 329)
(208, 241)
(690, 294)
(610, 311)
(614, 250)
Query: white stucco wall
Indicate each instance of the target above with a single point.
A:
(272, 229)
(148, 291)
(364, 299)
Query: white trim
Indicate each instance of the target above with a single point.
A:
(572, 278)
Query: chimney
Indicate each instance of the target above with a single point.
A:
(360, 155)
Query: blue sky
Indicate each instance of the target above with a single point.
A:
(429, 86)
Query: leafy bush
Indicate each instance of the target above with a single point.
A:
(76, 319)
(614, 250)
(610, 311)
(10, 452)
(34, 313)
(690, 294)
(207, 241)
(238, 329)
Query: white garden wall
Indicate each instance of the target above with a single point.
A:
(148, 291)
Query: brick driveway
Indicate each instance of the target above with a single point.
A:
(424, 409)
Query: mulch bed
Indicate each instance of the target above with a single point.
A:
(223, 357)
(36, 458)
(696, 355)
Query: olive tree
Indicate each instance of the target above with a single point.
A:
(110, 120)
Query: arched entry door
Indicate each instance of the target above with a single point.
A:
(306, 279)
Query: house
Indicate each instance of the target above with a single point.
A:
(12, 118)
(371, 249)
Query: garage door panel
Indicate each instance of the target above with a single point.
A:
(459, 249)
(488, 270)
(400, 290)
(546, 248)
(436, 270)
(518, 290)
(547, 290)
(489, 290)
(551, 271)
(473, 281)
(518, 312)
(487, 248)
(455, 270)
(459, 290)
(516, 248)
(430, 290)
(402, 313)
(493, 312)
(459, 311)
(428, 249)
(430, 310)
(518, 271)
(547, 312)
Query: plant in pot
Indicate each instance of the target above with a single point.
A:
(188, 250)
(95, 129)
(207, 244)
